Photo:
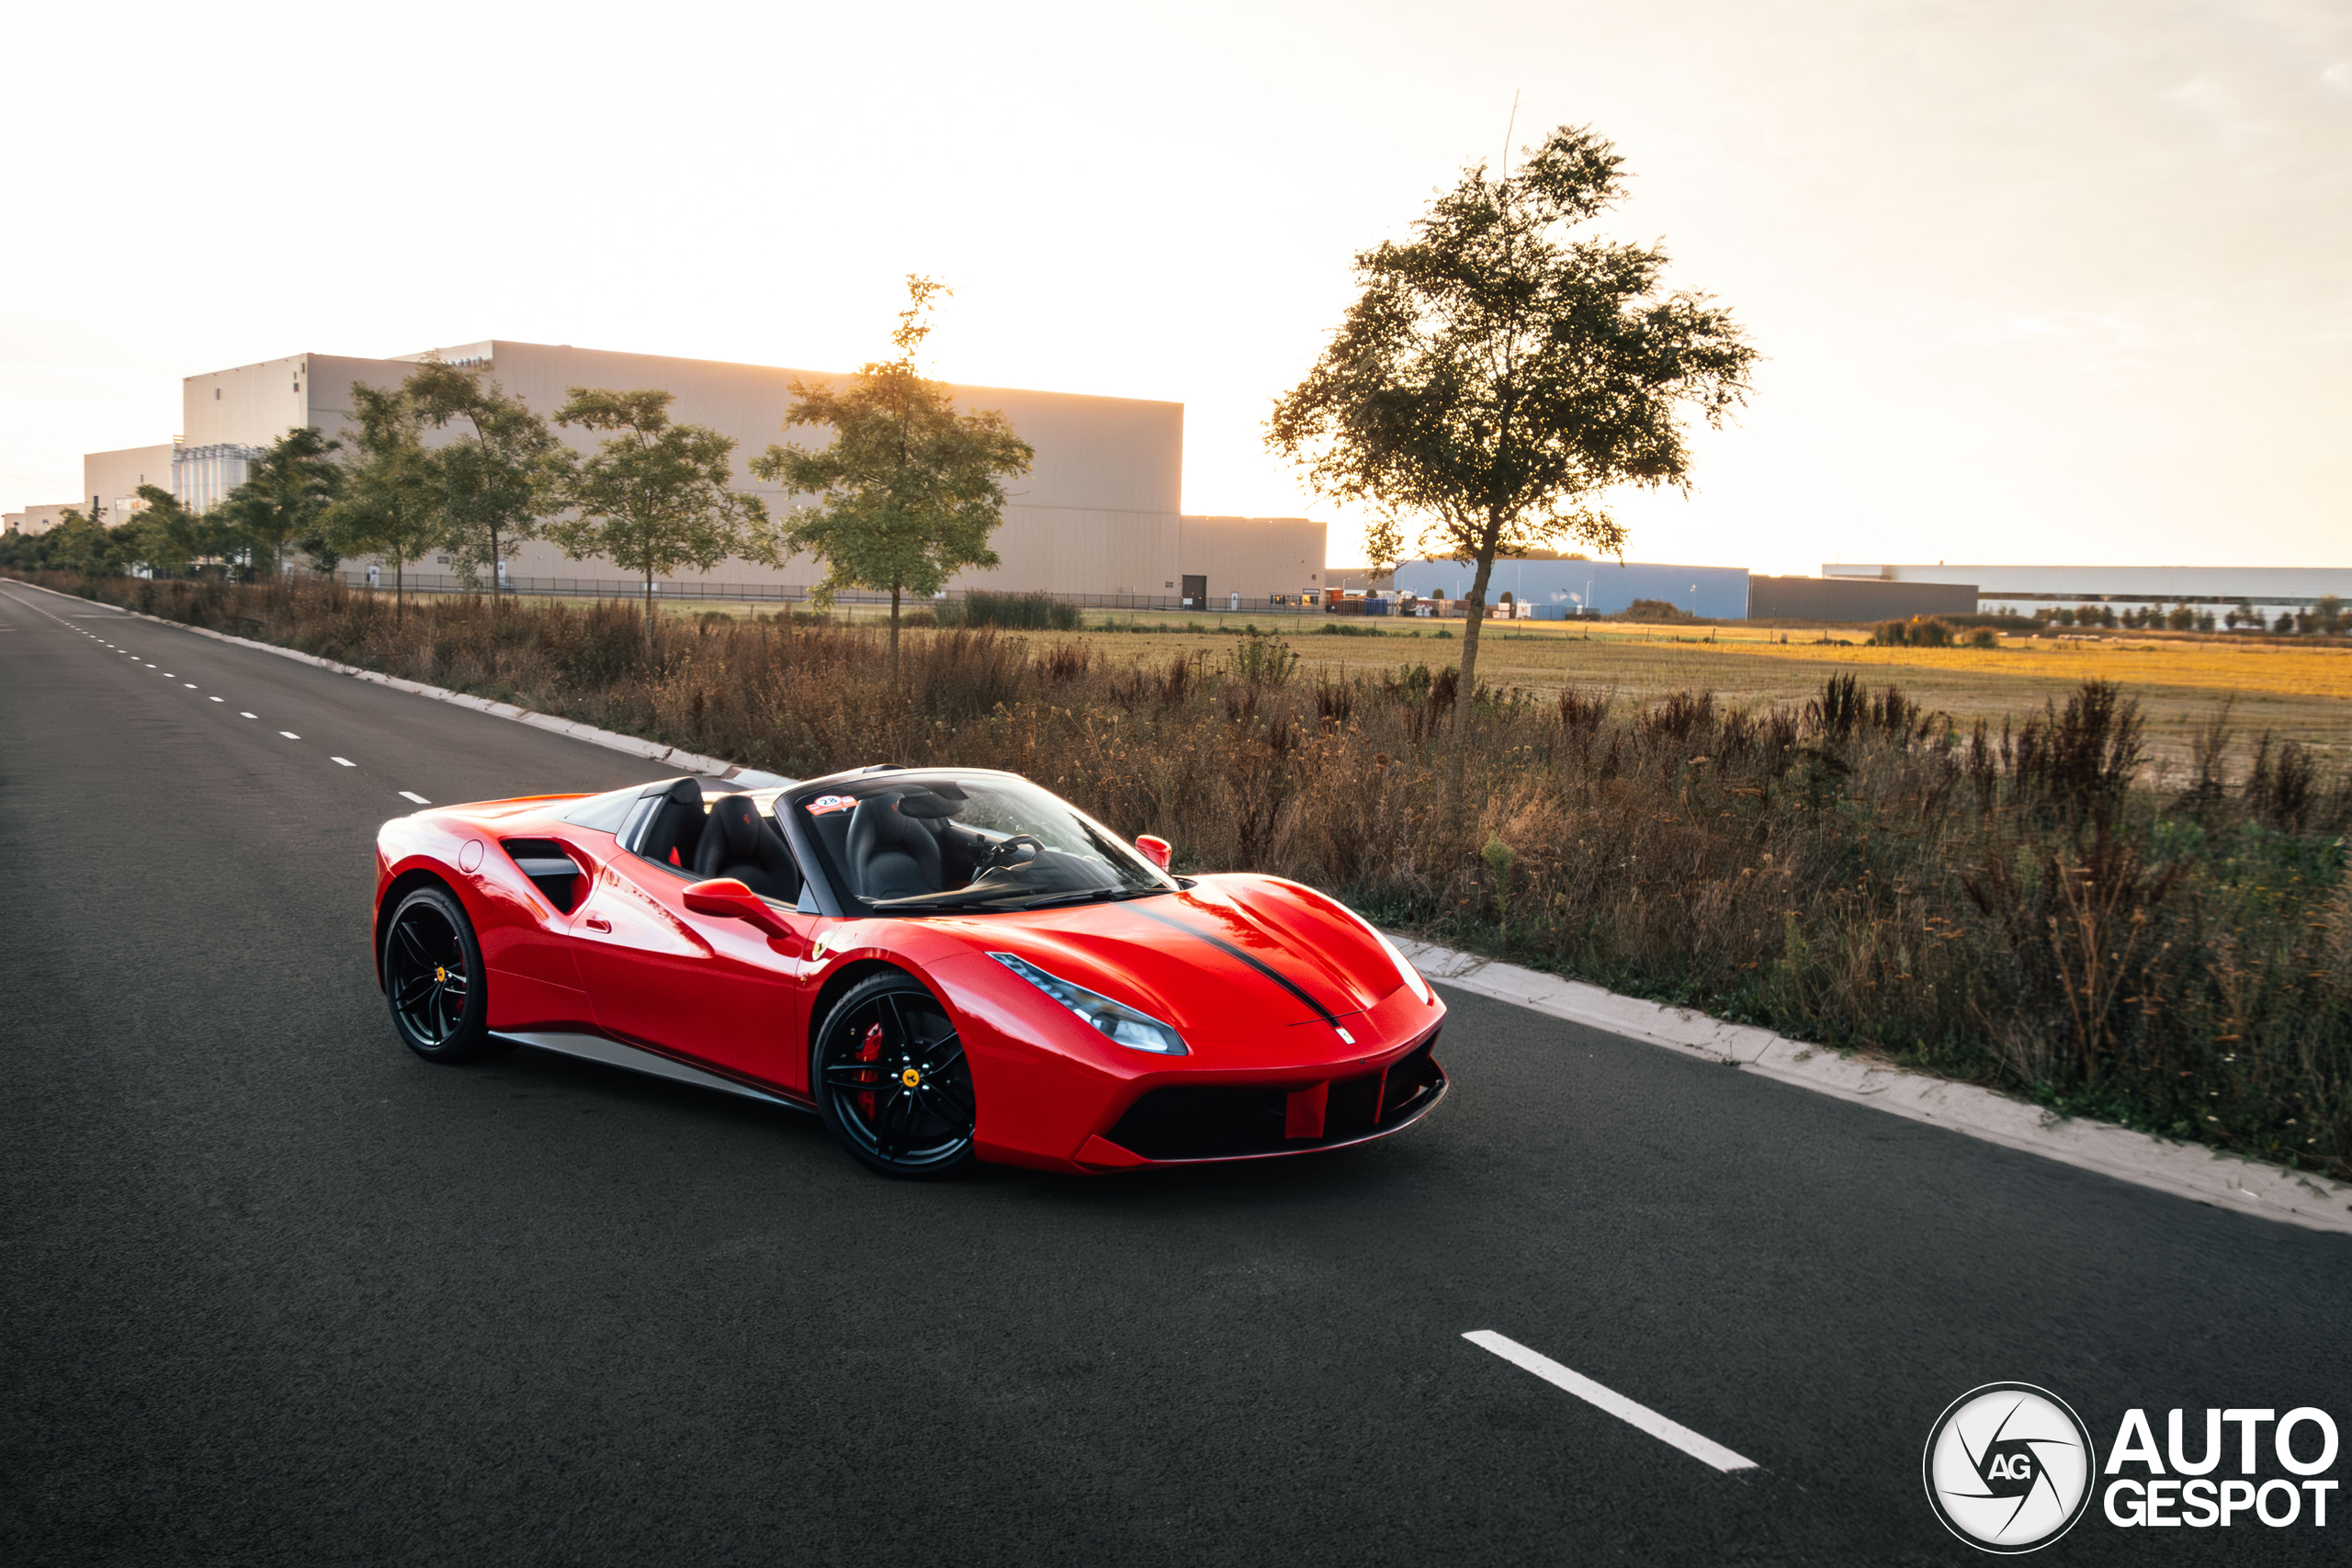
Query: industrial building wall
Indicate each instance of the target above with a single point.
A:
(1254, 557)
(1854, 599)
(1100, 513)
(251, 405)
(2218, 584)
(114, 478)
(1603, 586)
(1097, 513)
(40, 517)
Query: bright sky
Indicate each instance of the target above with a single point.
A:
(2038, 281)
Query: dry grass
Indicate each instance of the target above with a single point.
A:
(2300, 693)
(2017, 902)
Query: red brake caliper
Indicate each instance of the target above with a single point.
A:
(869, 1050)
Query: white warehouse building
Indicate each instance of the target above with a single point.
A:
(1101, 512)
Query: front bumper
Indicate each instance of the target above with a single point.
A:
(1204, 1123)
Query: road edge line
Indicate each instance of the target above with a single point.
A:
(2184, 1170)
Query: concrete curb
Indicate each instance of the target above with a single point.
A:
(652, 750)
(2185, 1170)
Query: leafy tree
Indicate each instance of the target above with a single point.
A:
(499, 476)
(391, 504)
(911, 488)
(164, 534)
(1497, 373)
(82, 542)
(654, 496)
(288, 489)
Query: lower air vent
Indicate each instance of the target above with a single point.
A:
(1219, 1124)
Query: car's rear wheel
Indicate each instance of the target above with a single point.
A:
(432, 978)
(891, 1081)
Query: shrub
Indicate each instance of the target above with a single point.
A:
(1919, 631)
(1017, 612)
(1653, 610)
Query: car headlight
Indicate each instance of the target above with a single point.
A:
(1116, 1021)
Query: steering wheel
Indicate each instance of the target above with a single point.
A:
(999, 855)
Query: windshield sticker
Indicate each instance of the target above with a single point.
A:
(825, 805)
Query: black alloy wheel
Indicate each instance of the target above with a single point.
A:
(432, 978)
(891, 1081)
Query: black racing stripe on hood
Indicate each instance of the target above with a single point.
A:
(1260, 965)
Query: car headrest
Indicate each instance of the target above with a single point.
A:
(739, 818)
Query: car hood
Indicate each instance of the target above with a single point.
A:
(1230, 951)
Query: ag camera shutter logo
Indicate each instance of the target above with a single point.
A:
(2008, 1468)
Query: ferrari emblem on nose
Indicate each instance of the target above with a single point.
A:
(911, 1078)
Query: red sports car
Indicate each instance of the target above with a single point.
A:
(943, 963)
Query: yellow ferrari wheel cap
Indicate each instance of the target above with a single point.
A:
(439, 973)
(911, 1078)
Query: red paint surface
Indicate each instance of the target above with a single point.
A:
(722, 993)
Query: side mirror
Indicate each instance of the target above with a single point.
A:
(730, 899)
(1158, 851)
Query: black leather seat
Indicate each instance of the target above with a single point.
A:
(676, 827)
(738, 841)
(891, 855)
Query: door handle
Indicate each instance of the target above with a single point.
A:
(596, 923)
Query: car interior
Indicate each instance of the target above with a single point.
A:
(902, 843)
(733, 838)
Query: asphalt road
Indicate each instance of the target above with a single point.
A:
(274, 1291)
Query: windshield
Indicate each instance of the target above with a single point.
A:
(913, 843)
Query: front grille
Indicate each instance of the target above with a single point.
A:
(1221, 1124)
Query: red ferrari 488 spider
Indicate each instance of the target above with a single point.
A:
(943, 963)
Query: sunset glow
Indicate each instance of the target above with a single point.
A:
(2035, 283)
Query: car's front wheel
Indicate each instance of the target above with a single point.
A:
(891, 1081)
(432, 978)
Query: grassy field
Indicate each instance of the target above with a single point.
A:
(2300, 693)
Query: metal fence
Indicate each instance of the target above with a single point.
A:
(791, 594)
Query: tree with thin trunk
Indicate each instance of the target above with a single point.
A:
(393, 488)
(164, 534)
(499, 472)
(1499, 373)
(288, 488)
(911, 489)
(654, 496)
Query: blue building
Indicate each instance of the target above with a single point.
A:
(1587, 587)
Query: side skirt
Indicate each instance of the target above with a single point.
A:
(613, 1054)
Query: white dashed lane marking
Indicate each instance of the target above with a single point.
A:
(407, 794)
(1706, 1451)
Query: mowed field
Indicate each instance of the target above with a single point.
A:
(2297, 693)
